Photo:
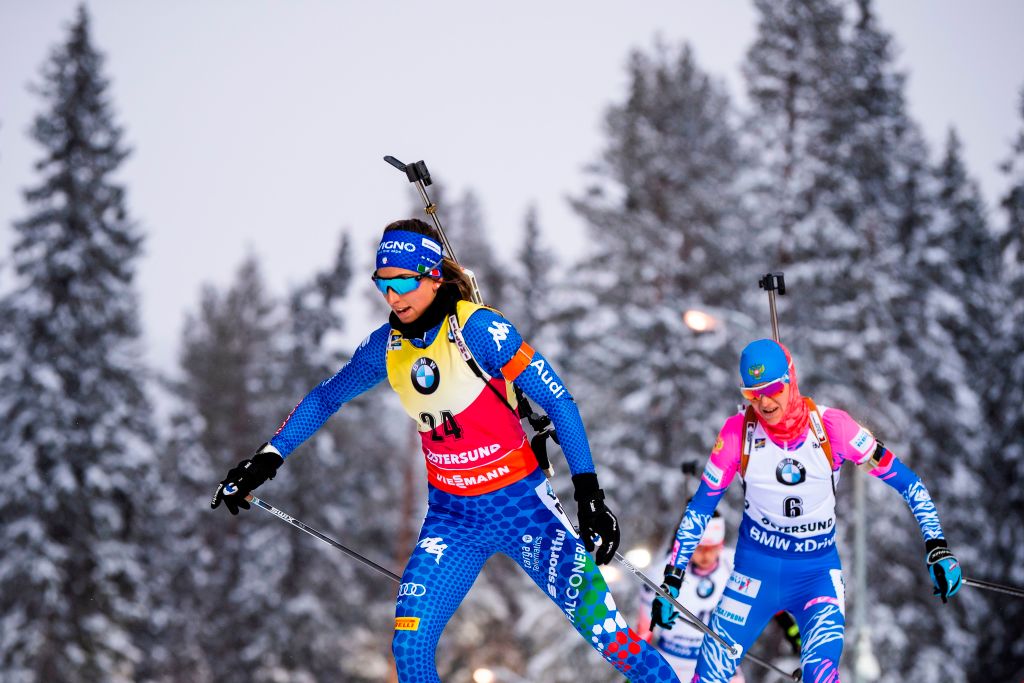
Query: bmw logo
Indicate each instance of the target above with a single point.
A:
(790, 472)
(425, 376)
(705, 587)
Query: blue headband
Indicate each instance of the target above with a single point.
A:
(409, 250)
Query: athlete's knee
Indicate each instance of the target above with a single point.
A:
(413, 651)
(822, 634)
(825, 670)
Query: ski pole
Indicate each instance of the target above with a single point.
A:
(734, 650)
(995, 587)
(281, 514)
(773, 282)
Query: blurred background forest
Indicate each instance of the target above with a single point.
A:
(905, 307)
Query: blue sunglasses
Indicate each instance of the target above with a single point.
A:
(403, 284)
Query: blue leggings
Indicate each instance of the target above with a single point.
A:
(810, 588)
(524, 521)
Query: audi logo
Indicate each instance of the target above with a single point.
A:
(412, 590)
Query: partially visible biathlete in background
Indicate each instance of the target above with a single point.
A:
(788, 452)
(453, 364)
(701, 589)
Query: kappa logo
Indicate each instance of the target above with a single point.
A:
(412, 590)
(434, 546)
(499, 332)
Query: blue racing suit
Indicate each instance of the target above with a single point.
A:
(486, 493)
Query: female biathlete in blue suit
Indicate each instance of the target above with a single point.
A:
(485, 491)
(788, 453)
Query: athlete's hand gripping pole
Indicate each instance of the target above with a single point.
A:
(773, 282)
(943, 567)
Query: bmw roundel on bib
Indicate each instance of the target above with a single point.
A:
(790, 472)
(425, 376)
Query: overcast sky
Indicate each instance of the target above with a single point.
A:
(260, 126)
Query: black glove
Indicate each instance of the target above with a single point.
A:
(595, 518)
(943, 567)
(246, 476)
(663, 612)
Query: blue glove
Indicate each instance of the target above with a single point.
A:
(943, 567)
(663, 614)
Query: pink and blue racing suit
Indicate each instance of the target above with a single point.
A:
(786, 557)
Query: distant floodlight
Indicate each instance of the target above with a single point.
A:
(699, 321)
(639, 557)
(610, 574)
(483, 676)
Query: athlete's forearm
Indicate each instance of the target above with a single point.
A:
(900, 477)
(365, 370)
(695, 521)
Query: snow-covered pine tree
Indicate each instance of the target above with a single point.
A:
(532, 277)
(847, 177)
(468, 233)
(78, 462)
(666, 231)
(949, 271)
(1001, 651)
(226, 572)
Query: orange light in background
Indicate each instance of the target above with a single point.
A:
(639, 557)
(483, 676)
(699, 321)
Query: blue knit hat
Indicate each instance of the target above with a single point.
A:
(409, 250)
(762, 361)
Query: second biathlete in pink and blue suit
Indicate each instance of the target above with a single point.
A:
(788, 453)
